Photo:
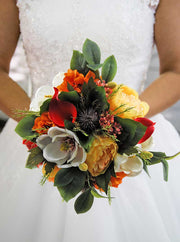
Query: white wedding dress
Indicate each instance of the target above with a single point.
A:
(144, 209)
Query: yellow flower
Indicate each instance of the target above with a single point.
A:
(125, 103)
(102, 152)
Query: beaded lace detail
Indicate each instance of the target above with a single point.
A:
(52, 29)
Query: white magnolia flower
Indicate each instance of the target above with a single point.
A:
(62, 147)
(131, 165)
(45, 92)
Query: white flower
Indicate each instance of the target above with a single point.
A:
(131, 165)
(41, 95)
(45, 92)
(62, 147)
(146, 145)
(58, 79)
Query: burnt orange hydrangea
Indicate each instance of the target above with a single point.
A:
(75, 79)
(42, 123)
(115, 181)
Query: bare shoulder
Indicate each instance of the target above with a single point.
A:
(167, 35)
(9, 31)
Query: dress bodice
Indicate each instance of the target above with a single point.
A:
(52, 29)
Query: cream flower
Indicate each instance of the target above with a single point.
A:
(130, 165)
(45, 92)
(62, 147)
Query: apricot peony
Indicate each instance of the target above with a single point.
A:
(102, 152)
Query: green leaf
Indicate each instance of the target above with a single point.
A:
(45, 106)
(96, 194)
(104, 179)
(109, 69)
(69, 125)
(78, 62)
(24, 128)
(85, 141)
(72, 97)
(70, 182)
(69, 87)
(130, 151)
(165, 169)
(49, 167)
(84, 202)
(91, 52)
(94, 67)
(35, 157)
(145, 167)
(132, 132)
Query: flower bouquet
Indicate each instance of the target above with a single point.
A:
(88, 132)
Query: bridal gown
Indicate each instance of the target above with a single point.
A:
(144, 209)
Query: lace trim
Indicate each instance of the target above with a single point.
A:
(153, 4)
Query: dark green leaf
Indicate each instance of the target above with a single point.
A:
(85, 141)
(165, 169)
(35, 157)
(84, 202)
(104, 179)
(94, 67)
(70, 182)
(132, 132)
(45, 106)
(64, 176)
(91, 52)
(69, 87)
(130, 151)
(24, 128)
(72, 97)
(78, 62)
(145, 167)
(73, 188)
(96, 194)
(49, 167)
(109, 69)
(69, 125)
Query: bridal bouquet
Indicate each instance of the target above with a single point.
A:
(88, 132)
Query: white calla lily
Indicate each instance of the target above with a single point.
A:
(146, 145)
(131, 165)
(45, 92)
(41, 95)
(62, 147)
(58, 79)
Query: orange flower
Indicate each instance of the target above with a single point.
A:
(75, 79)
(102, 152)
(42, 123)
(115, 181)
(52, 174)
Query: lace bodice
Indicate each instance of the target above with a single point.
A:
(52, 29)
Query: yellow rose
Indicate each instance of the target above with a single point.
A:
(102, 152)
(125, 98)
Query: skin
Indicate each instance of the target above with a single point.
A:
(161, 94)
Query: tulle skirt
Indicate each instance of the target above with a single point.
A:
(144, 209)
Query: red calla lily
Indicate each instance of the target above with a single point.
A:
(59, 110)
(150, 128)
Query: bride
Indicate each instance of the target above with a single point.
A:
(144, 209)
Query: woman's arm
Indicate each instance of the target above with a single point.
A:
(12, 96)
(165, 90)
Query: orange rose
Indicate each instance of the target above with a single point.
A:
(102, 152)
(75, 79)
(42, 123)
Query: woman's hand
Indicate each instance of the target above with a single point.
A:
(12, 96)
(165, 90)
